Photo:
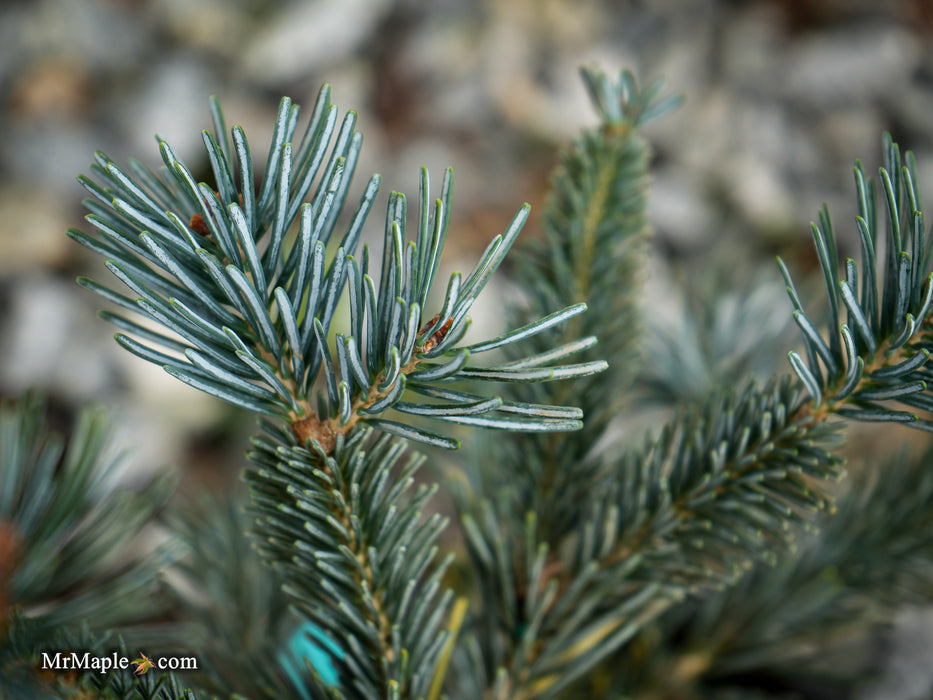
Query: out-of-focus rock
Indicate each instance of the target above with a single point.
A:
(848, 66)
(31, 230)
(172, 103)
(309, 36)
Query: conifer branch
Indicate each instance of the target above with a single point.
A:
(797, 620)
(250, 317)
(871, 366)
(770, 445)
(237, 620)
(357, 556)
(67, 532)
(596, 230)
(576, 549)
(719, 490)
(596, 233)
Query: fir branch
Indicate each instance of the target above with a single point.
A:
(720, 489)
(67, 531)
(250, 317)
(357, 556)
(249, 321)
(871, 366)
(807, 622)
(576, 549)
(234, 615)
(67, 537)
(770, 446)
(875, 360)
(596, 230)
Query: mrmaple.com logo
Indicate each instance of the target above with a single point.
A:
(77, 661)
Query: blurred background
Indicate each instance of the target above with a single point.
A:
(781, 96)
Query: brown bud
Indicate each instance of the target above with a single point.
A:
(199, 225)
(313, 427)
(9, 555)
(437, 336)
(430, 323)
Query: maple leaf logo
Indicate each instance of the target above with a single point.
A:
(143, 664)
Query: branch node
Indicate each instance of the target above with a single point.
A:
(312, 428)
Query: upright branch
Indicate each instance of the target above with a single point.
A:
(537, 487)
(569, 579)
(596, 233)
(357, 557)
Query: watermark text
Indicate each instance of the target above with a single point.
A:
(86, 661)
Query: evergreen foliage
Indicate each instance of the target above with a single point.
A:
(68, 542)
(596, 230)
(875, 353)
(243, 653)
(381, 580)
(252, 314)
(686, 564)
(610, 543)
(812, 622)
